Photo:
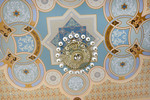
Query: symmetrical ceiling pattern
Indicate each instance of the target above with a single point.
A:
(74, 49)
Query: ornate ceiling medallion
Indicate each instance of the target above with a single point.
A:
(72, 41)
(76, 53)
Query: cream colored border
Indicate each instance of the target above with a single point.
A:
(72, 96)
(43, 10)
(75, 6)
(21, 88)
(52, 86)
(146, 10)
(110, 11)
(125, 80)
(95, 7)
(31, 13)
(100, 82)
(3, 4)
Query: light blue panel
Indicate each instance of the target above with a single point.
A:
(124, 20)
(41, 69)
(1, 53)
(137, 63)
(25, 43)
(136, 67)
(147, 16)
(18, 29)
(146, 53)
(19, 84)
(1, 1)
(36, 83)
(101, 55)
(146, 36)
(1, 63)
(3, 45)
(26, 73)
(107, 8)
(34, 15)
(23, 57)
(9, 45)
(113, 76)
(42, 24)
(101, 21)
(122, 70)
(107, 68)
(123, 50)
(107, 65)
(45, 57)
(130, 9)
(13, 5)
(134, 36)
(128, 76)
(119, 37)
(141, 6)
(29, 1)
(9, 73)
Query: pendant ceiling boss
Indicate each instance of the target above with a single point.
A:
(76, 53)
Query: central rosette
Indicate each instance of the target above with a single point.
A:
(76, 55)
(76, 52)
(73, 41)
(75, 48)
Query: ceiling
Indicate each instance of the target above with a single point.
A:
(75, 49)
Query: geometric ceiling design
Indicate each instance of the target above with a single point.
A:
(75, 49)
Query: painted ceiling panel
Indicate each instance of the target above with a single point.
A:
(74, 49)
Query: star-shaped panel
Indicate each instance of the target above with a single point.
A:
(71, 21)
